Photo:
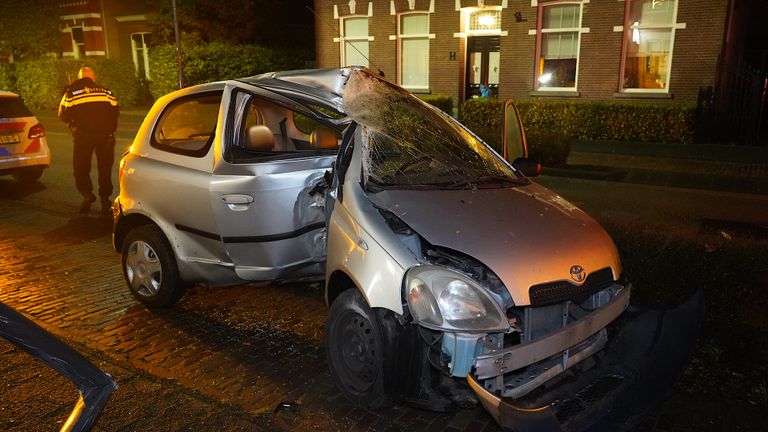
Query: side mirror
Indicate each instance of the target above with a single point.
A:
(526, 166)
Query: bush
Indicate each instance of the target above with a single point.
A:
(42, 82)
(589, 120)
(548, 147)
(7, 77)
(216, 61)
(441, 101)
(484, 118)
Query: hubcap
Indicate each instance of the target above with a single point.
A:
(145, 274)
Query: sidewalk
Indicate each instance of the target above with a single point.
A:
(708, 167)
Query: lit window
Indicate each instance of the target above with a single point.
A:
(485, 20)
(558, 57)
(355, 42)
(649, 34)
(140, 52)
(414, 50)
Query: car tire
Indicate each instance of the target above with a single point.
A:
(28, 175)
(355, 351)
(149, 268)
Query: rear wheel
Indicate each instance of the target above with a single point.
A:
(28, 175)
(355, 351)
(149, 267)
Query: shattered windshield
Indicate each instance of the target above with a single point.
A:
(408, 144)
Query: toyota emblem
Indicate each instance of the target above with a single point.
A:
(578, 274)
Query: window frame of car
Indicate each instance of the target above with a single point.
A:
(196, 153)
(236, 121)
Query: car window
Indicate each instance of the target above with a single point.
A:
(187, 125)
(265, 130)
(11, 107)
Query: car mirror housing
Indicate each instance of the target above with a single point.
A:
(528, 167)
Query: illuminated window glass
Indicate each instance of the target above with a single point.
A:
(414, 50)
(355, 42)
(559, 53)
(649, 37)
(485, 20)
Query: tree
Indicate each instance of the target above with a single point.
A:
(29, 29)
(283, 24)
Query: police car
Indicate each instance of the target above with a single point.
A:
(24, 151)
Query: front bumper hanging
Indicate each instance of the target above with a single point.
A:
(646, 352)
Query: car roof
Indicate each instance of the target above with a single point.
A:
(8, 94)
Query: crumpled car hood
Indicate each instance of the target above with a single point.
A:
(526, 235)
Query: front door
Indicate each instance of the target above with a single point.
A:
(483, 54)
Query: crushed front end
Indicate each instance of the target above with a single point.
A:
(535, 347)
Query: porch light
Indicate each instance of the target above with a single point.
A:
(486, 20)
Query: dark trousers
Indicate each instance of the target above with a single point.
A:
(85, 146)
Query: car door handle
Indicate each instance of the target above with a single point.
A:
(237, 202)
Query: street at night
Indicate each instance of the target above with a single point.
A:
(227, 358)
(384, 216)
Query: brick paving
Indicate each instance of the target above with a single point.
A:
(222, 359)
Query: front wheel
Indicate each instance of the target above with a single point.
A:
(149, 267)
(355, 347)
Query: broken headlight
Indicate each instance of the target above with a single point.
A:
(442, 299)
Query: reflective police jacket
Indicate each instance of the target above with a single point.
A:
(89, 108)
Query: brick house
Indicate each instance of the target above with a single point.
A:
(664, 50)
(106, 29)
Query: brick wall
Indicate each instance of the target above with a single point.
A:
(694, 57)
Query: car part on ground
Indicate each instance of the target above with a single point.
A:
(95, 386)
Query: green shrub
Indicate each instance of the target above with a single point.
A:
(548, 147)
(40, 82)
(7, 77)
(483, 117)
(441, 101)
(589, 120)
(215, 61)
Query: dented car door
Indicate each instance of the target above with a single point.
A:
(265, 191)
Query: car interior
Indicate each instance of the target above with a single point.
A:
(270, 130)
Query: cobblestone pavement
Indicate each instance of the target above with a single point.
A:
(222, 359)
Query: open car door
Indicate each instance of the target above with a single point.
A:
(276, 144)
(515, 145)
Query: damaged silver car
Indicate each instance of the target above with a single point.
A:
(451, 277)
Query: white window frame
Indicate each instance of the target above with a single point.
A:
(145, 54)
(540, 32)
(344, 39)
(401, 37)
(627, 29)
(76, 52)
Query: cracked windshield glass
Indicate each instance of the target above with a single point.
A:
(409, 145)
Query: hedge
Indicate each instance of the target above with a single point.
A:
(441, 101)
(42, 82)
(588, 120)
(214, 62)
(7, 80)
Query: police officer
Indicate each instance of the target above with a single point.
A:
(90, 110)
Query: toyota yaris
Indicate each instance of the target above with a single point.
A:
(451, 277)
